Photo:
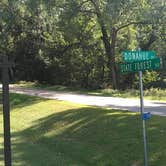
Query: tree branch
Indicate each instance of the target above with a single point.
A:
(87, 11)
(132, 23)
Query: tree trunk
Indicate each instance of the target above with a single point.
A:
(110, 52)
(112, 59)
(109, 47)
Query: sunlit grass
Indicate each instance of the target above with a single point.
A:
(151, 94)
(57, 133)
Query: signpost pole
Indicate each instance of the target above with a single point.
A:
(6, 112)
(140, 61)
(143, 121)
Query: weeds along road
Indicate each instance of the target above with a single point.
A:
(157, 108)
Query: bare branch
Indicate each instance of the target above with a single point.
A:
(132, 23)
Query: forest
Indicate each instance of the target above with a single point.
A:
(79, 43)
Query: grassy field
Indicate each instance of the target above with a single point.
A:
(150, 94)
(57, 133)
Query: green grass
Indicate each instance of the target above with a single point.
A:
(36, 85)
(57, 133)
(150, 94)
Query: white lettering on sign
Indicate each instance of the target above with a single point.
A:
(138, 55)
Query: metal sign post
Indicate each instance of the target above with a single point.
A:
(143, 120)
(6, 110)
(138, 61)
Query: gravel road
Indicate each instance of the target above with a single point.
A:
(157, 108)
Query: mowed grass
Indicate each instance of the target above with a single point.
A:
(57, 133)
(149, 94)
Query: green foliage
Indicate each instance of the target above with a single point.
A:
(61, 42)
(151, 79)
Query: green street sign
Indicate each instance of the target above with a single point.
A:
(134, 56)
(151, 64)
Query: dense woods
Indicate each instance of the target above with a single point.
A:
(79, 42)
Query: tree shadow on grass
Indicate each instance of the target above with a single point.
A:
(21, 100)
(89, 136)
(86, 137)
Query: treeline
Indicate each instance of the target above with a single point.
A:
(79, 42)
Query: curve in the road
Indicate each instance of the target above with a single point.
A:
(157, 108)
